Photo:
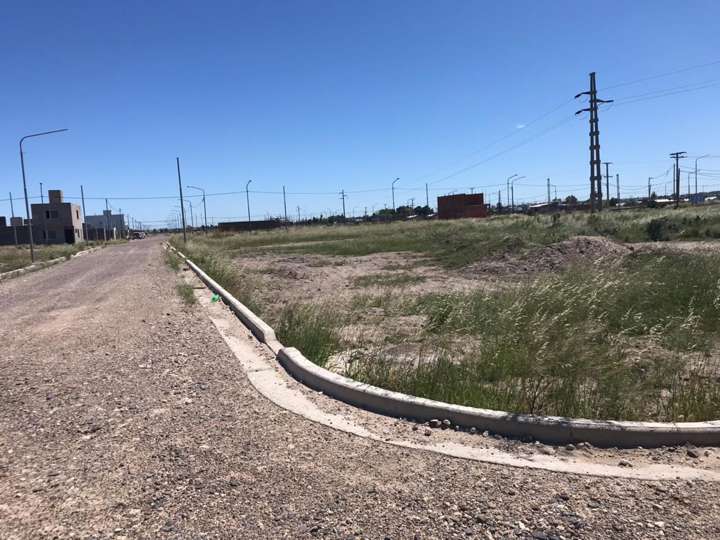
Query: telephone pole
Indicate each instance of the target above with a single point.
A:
(427, 196)
(677, 156)
(595, 173)
(548, 188)
(247, 199)
(392, 189)
(82, 196)
(617, 185)
(649, 187)
(342, 196)
(107, 219)
(607, 181)
(284, 204)
(298, 210)
(182, 202)
(12, 220)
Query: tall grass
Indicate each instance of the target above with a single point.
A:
(628, 343)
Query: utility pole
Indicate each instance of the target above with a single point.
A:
(696, 169)
(285, 204)
(595, 173)
(499, 199)
(548, 189)
(677, 156)
(42, 201)
(617, 185)
(392, 189)
(82, 196)
(12, 220)
(182, 202)
(298, 210)
(342, 196)
(427, 196)
(607, 181)
(688, 191)
(247, 197)
(107, 219)
(649, 187)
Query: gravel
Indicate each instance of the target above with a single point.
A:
(124, 414)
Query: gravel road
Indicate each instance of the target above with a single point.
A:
(124, 414)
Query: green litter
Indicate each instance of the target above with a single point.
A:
(215, 298)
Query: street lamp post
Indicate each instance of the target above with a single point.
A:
(512, 191)
(27, 204)
(696, 169)
(204, 207)
(392, 189)
(247, 197)
(507, 184)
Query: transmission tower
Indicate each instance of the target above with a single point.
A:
(595, 172)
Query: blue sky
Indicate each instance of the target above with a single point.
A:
(321, 96)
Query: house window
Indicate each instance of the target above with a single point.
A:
(77, 214)
(51, 214)
(52, 235)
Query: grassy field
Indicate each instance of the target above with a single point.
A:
(12, 257)
(457, 243)
(632, 336)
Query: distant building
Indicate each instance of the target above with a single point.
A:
(58, 222)
(461, 206)
(106, 226)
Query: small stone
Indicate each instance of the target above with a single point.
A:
(625, 463)
(486, 433)
(434, 423)
(427, 433)
(446, 423)
(415, 428)
(547, 450)
(693, 453)
(473, 430)
(569, 447)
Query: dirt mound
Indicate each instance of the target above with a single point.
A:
(554, 257)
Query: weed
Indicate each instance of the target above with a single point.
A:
(186, 293)
(172, 260)
(310, 329)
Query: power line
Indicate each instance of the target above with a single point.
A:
(661, 75)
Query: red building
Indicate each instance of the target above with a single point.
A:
(461, 206)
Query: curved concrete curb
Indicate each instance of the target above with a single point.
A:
(550, 429)
(43, 264)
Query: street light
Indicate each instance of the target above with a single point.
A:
(507, 183)
(696, 170)
(392, 189)
(27, 204)
(247, 196)
(512, 190)
(204, 207)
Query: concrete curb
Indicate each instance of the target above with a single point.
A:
(257, 326)
(549, 429)
(43, 264)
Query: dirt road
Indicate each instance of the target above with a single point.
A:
(124, 414)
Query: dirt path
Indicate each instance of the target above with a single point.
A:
(123, 413)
